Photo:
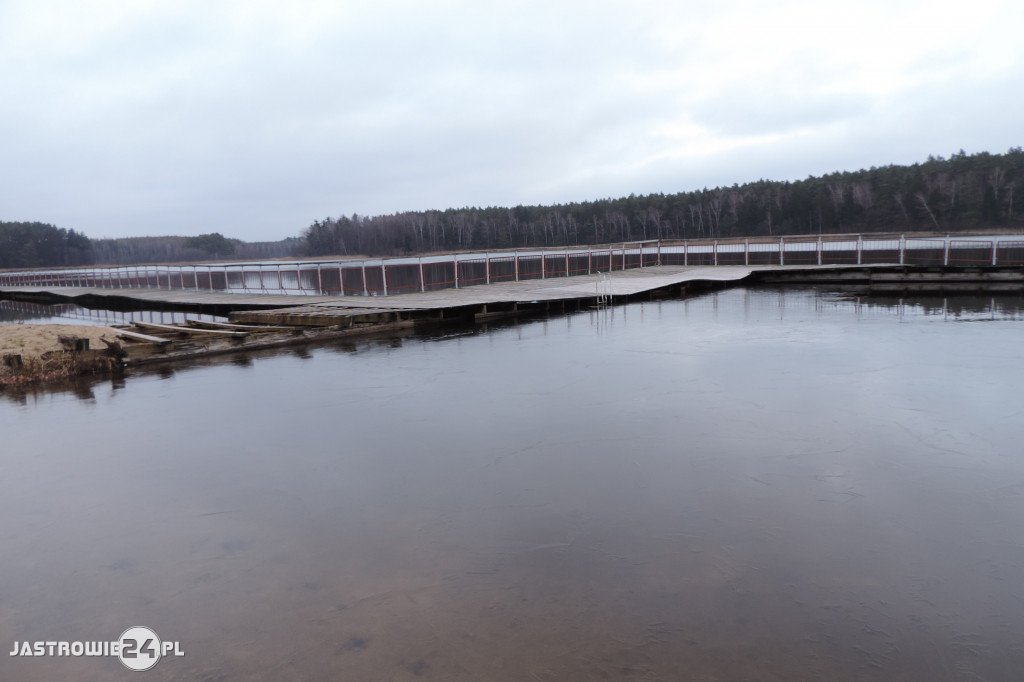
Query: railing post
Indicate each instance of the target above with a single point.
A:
(455, 266)
(590, 261)
(659, 252)
(566, 263)
(517, 265)
(320, 278)
(819, 249)
(994, 260)
(423, 279)
(543, 264)
(746, 252)
(782, 250)
(945, 255)
(714, 250)
(487, 268)
(903, 247)
(860, 247)
(195, 276)
(366, 291)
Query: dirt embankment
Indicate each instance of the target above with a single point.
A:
(35, 352)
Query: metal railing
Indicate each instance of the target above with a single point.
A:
(383, 277)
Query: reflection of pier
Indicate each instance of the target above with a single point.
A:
(72, 313)
(780, 302)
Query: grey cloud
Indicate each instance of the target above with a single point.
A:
(192, 120)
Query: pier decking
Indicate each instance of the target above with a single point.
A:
(354, 310)
(511, 298)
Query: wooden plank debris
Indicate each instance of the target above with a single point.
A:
(187, 330)
(136, 336)
(252, 328)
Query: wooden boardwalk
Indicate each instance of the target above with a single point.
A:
(619, 283)
(508, 298)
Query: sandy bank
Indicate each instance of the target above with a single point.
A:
(34, 351)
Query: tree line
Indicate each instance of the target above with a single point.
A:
(173, 249)
(962, 193)
(28, 245)
(36, 244)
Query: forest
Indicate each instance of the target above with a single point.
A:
(204, 247)
(27, 245)
(35, 244)
(956, 194)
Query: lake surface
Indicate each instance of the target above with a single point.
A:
(748, 485)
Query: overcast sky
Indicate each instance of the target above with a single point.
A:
(254, 118)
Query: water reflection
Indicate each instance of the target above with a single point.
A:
(746, 485)
(69, 313)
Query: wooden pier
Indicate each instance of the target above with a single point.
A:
(501, 299)
(351, 311)
(259, 321)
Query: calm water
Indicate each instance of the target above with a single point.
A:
(757, 485)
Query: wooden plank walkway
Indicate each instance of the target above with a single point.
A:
(616, 284)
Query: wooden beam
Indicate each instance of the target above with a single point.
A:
(135, 336)
(203, 324)
(186, 330)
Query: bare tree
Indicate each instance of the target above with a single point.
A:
(924, 202)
